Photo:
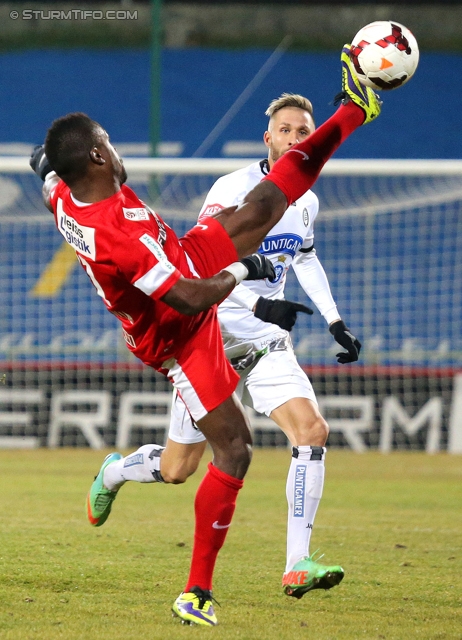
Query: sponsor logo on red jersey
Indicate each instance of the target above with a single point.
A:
(136, 214)
(81, 238)
(155, 248)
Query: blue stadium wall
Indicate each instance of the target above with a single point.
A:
(407, 308)
(421, 120)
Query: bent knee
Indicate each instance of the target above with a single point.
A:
(320, 431)
(241, 451)
(234, 459)
(178, 474)
(324, 426)
(175, 476)
(245, 455)
(315, 433)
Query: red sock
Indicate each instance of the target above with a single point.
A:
(214, 507)
(293, 173)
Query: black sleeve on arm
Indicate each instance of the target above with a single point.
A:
(307, 250)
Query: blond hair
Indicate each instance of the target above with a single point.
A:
(289, 100)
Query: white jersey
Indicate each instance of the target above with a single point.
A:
(290, 242)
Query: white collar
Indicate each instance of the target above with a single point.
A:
(80, 204)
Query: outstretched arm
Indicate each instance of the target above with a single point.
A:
(190, 296)
(313, 279)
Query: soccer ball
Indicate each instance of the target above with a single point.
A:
(385, 55)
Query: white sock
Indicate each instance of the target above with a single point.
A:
(141, 466)
(305, 482)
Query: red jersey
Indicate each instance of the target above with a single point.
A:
(133, 258)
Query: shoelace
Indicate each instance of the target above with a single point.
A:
(203, 595)
(313, 554)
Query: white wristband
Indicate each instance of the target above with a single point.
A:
(50, 175)
(238, 270)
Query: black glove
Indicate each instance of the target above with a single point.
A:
(39, 162)
(259, 267)
(280, 312)
(343, 336)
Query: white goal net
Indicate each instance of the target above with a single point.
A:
(389, 235)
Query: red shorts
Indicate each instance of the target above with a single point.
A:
(201, 244)
(199, 369)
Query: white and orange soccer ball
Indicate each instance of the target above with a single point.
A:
(385, 55)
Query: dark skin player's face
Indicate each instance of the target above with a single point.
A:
(112, 159)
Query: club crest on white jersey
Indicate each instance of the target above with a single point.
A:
(279, 247)
(281, 268)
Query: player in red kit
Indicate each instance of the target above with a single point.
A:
(164, 291)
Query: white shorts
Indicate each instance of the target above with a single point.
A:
(268, 382)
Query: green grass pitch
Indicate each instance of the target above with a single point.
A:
(394, 523)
